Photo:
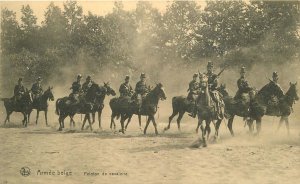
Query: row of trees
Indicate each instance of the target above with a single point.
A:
(234, 32)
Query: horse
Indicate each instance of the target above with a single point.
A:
(180, 105)
(41, 104)
(237, 107)
(85, 105)
(149, 107)
(285, 105)
(115, 109)
(105, 90)
(206, 111)
(23, 105)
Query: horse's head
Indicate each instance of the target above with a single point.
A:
(293, 92)
(109, 90)
(49, 94)
(160, 92)
(27, 97)
(203, 79)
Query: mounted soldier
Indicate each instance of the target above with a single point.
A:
(243, 86)
(125, 88)
(193, 94)
(213, 85)
(37, 89)
(76, 89)
(19, 91)
(87, 84)
(273, 93)
(141, 91)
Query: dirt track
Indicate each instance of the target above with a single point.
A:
(167, 158)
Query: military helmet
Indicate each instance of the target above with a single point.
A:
(20, 79)
(143, 75)
(79, 76)
(127, 77)
(243, 69)
(88, 77)
(39, 78)
(275, 74)
(195, 75)
(210, 64)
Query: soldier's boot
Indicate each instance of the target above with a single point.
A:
(194, 111)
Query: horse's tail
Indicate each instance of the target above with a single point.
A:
(57, 110)
(175, 103)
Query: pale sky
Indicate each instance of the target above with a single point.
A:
(96, 7)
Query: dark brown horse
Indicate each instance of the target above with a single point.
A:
(180, 105)
(23, 105)
(149, 107)
(240, 107)
(41, 104)
(85, 105)
(260, 107)
(104, 90)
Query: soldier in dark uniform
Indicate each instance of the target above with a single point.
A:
(125, 88)
(273, 91)
(193, 93)
(87, 84)
(37, 89)
(141, 90)
(76, 89)
(213, 85)
(19, 91)
(243, 85)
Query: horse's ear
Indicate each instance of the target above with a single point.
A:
(296, 84)
(290, 83)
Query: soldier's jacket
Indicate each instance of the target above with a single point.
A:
(19, 90)
(86, 86)
(76, 87)
(243, 85)
(212, 81)
(141, 88)
(125, 89)
(37, 89)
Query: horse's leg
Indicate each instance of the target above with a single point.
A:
(83, 123)
(93, 116)
(154, 124)
(123, 118)
(280, 123)
(89, 119)
(202, 131)
(217, 127)
(7, 117)
(170, 120)
(147, 124)
(112, 117)
(140, 122)
(99, 118)
(199, 123)
(287, 124)
(46, 118)
(60, 124)
(179, 120)
(37, 116)
(229, 125)
(258, 125)
(208, 129)
(250, 125)
(128, 121)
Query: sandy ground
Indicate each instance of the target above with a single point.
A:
(270, 158)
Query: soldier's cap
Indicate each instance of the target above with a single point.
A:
(127, 77)
(20, 79)
(275, 74)
(143, 75)
(88, 77)
(243, 69)
(195, 75)
(79, 76)
(210, 64)
(39, 78)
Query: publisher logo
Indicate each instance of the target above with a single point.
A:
(25, 171)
